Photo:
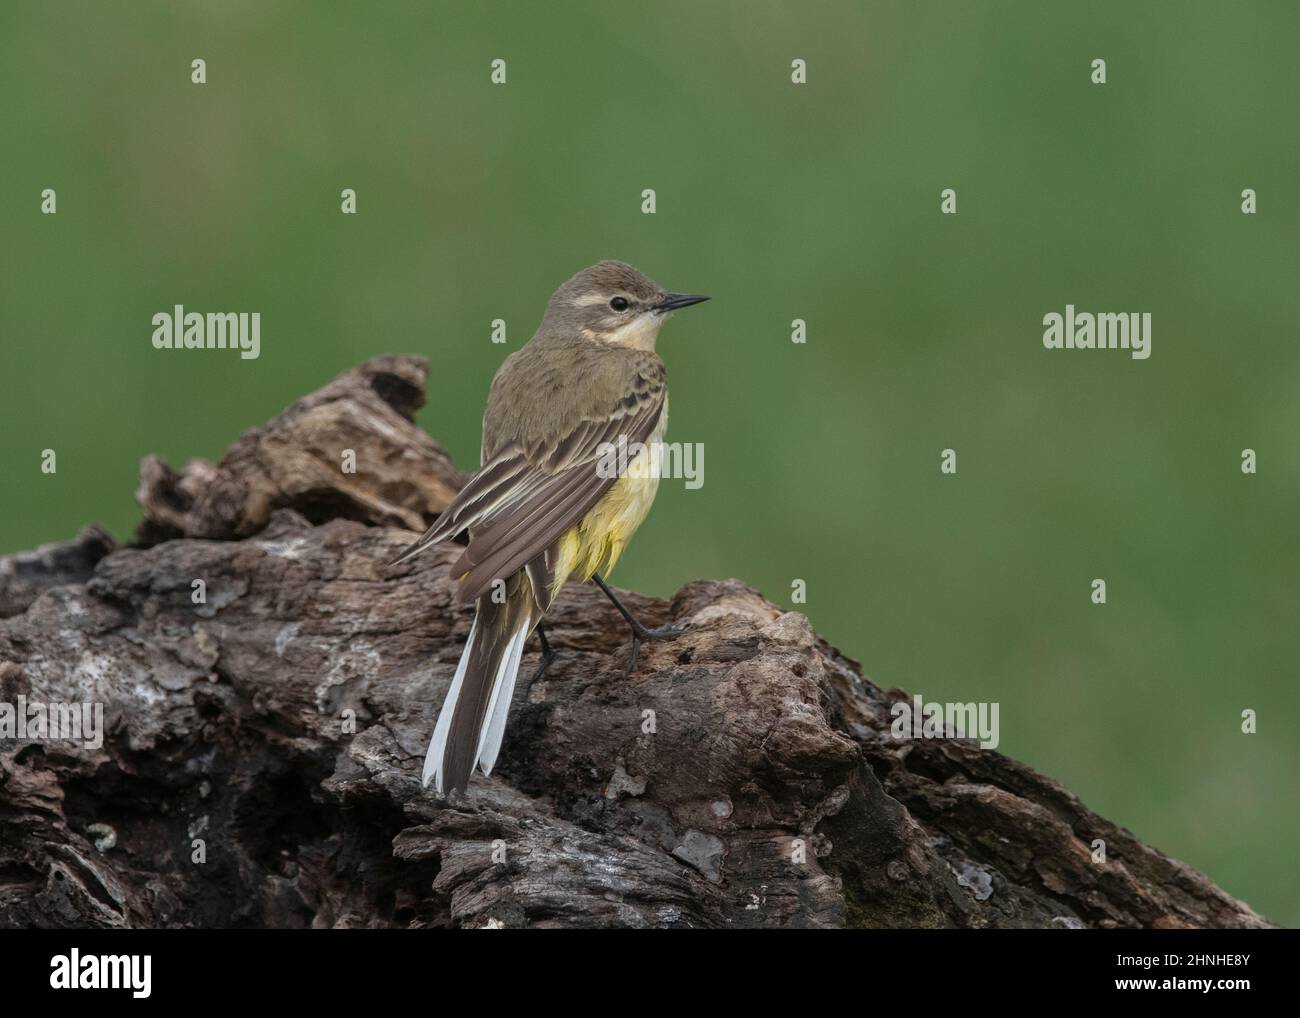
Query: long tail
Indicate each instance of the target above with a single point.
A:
(472, 721)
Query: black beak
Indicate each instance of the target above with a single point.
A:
(679, 300)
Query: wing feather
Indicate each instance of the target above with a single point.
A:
(521, 529)
(529, 493)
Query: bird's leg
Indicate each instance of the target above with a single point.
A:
(548, 655)
(639, 630)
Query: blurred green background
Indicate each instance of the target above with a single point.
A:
(819, 202)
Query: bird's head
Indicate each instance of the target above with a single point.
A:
(612, 302)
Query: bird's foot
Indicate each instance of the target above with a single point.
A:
(640, 632)
(660, 633)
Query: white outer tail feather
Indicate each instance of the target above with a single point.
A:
(498, 708)
(503, 691)
(438, 744)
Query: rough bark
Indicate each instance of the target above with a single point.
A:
(282, 723)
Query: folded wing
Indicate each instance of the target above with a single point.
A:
(526, 496)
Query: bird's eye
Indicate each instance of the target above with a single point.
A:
(619, 303)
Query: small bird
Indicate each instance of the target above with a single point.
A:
(541, 510)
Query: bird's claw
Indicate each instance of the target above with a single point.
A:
(640, 632)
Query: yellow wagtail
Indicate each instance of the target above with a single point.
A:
(540, 511)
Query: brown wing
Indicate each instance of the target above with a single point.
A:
(529, 493)
(522, 529)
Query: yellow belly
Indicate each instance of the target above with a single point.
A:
(596, 543)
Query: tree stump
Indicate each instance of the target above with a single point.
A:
(262, 748)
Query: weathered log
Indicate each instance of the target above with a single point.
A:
(262, 749)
